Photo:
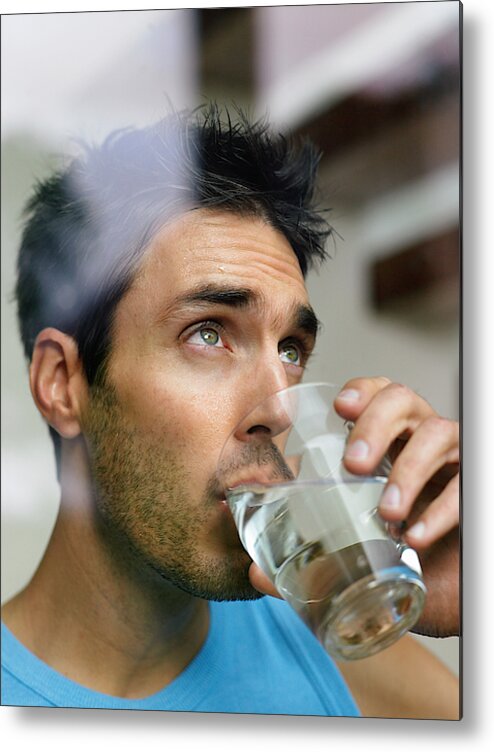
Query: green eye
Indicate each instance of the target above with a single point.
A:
(290, 354)
(209, 336)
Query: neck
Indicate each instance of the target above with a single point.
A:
(107, 622)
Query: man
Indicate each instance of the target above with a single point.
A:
(161, 296)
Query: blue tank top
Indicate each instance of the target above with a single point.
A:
(258, 657)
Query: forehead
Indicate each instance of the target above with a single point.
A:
(206, 246)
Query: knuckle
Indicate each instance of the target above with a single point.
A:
(383, 380)
(401, 392)
(442, 427)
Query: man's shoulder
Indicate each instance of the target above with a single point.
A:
(16, 688)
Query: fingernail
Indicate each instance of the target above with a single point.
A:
(359, 450)
(349, 395)
(417, 531)
(391, 497)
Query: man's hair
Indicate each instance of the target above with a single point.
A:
(87, 226)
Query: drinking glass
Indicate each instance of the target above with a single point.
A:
(314, 528)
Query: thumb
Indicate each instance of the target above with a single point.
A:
(261, 581)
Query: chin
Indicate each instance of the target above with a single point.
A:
(228, 580)
(221, 590)
(212, 578)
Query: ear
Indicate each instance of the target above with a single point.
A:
(57, 381)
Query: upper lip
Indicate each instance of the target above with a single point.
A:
(248, 480)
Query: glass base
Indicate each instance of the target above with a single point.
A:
(372, 614)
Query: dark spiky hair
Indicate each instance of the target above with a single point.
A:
(86, 227)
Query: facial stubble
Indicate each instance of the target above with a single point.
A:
(144, 511)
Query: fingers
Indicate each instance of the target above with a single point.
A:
(434, 445)
(382, 411)
(356, 394)
(440, 517)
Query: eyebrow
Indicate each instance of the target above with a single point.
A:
(307, 321)
(241, 297)
(214, 294)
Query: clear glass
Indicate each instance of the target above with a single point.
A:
(314, 528)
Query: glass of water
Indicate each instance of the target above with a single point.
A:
(314, 528)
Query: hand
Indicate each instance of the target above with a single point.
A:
(422, 490)
(423, 486)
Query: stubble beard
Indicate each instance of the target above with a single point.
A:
(144, 513)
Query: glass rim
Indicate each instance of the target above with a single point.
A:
(242, 487)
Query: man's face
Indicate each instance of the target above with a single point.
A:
(216, 320)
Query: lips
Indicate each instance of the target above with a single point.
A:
(249, 480)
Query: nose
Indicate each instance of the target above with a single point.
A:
(270, 414)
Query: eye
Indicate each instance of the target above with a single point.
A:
(207, 335)
(291, 354)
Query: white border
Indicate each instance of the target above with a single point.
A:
(86, 730)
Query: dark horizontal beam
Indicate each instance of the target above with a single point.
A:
(361, 116)
(402, 151)
(420, 269)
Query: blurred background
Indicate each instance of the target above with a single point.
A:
(375, 85)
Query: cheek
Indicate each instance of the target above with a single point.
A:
(206, 419)
(188, 418)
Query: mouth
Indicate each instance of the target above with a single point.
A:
(250, 480)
